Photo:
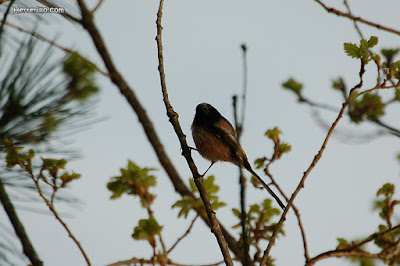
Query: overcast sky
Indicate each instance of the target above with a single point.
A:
(203, 63)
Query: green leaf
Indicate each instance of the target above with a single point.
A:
(284, 148)
(236, 212)
(53, 164)
(389, 54)
(260, 162)
(364, 52)
(273, 133)
(185, 204)
(293, 85)
(352, 50)
(67, 177)
(343, 243)
(395, 68)
(338, 84)
(147, 229)
(373, 40)
(387, 190)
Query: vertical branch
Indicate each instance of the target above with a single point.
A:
(310, 168)
(173, 118)
(244, 95)
(242, 178)
(19, 229)
(242, 182)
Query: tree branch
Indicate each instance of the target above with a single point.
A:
(97, 6)
(242, 179)
(173, 118)
(355, 18)
(354, 249)
(19, 229)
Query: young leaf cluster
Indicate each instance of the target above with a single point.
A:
(133, 180)
(369, 107)
(147, 229)
(362, 51)
(280, 148)
(259, 225)
(188, 203)
(50, 169)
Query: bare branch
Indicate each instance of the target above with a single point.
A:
(354, 21)
(242, 179)
(97, 6)
(19, 229)
(355, 18)
(354, 249)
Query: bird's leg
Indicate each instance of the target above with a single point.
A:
(212, 163)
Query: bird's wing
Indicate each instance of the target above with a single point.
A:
(225, 132)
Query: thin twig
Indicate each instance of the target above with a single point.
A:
(57, 216)
(97, 6)
(242, 182)
(354, 21)
(184, 235)
(173, 118)
(296, 211)
(355, 18)
(310, 168)
(239, 125)
(392, 130)
(245, 75)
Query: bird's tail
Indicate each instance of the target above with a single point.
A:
(248, 167)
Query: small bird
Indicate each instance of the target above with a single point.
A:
(216, 140)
